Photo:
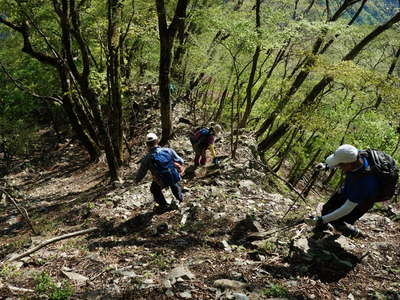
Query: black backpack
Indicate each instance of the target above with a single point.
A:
(384, 167)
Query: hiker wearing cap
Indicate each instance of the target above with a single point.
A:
(164, 165)
(371, 176)
(203, 139)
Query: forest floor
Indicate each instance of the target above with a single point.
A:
(216, 245)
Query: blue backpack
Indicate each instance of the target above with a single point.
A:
(164, 167)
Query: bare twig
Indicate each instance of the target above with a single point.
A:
(50, 241)
(21, 210)
(22, 87)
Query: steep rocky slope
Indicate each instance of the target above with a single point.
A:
(223, 242)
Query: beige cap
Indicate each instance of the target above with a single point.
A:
(344, 154)
(151, 137)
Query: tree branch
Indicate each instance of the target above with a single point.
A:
(50, 241)
(19, 85)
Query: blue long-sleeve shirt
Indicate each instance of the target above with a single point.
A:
(146, 165)
(360, 187)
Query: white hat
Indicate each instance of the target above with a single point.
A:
(217, 129)
(344, 154)
(151, 137)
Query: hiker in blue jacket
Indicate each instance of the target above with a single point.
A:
(164, 165)
(362, 187)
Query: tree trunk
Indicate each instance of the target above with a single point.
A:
(91, 147)
(250, 83)
(167, 36)
(114, 75)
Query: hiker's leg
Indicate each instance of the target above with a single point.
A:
(197, 154)
(334, 202)
(345, 224)
(203, 157)
(358, 211)
(197, 159)
(156, 190)
(348, 230)
(176, 189)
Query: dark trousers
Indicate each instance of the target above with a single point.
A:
(337, 200)
(200, 157)
(158, 195)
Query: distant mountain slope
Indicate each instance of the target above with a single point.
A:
(378, 11)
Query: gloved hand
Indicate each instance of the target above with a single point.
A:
(321, 166)
(315, 221)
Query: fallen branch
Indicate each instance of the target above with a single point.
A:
(23, 212)
(53, 240)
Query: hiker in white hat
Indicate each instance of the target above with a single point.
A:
(371, 176)
(166, 167)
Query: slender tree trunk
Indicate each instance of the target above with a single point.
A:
(250, 83)
(114, 75)
(167, 36)
(91, 147)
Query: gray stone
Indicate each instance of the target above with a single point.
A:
(239, 296)
(17, 264)
(229, 284)
(167, 284)
(302, 245)
(78, 278)
(180, 272)
(186, 295)
(226, 246)
(345, 243)
(243, 227)
(126, 273)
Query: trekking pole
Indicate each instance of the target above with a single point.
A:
(271, 232)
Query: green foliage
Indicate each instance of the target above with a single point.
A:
(45, 284)
(275, 290)
(8, 272)
(16, 136)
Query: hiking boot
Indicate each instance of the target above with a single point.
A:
(161, 209)
(349, 230)
(175, 205)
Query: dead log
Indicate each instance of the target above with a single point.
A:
(50, 241)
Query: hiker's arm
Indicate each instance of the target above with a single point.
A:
(176, 157)
(144, 167)
(211, 147)
(345, 209)
(212, 150)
